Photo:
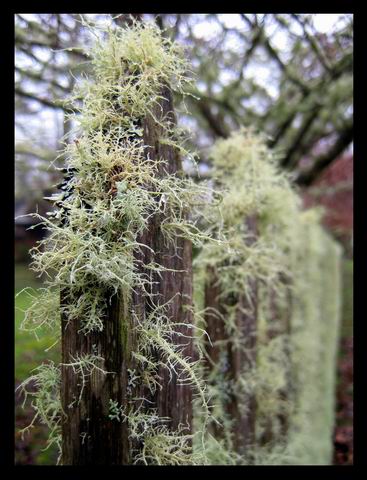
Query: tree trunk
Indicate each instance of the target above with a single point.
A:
(88, 435)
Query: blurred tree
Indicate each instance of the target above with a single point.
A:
(278, 74)
(281, 74)
(45, 72)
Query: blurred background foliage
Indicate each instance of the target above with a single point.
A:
(287, 76)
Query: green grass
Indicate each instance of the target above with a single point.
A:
(24, 277)
(29, 353)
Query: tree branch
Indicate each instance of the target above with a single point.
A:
(43, 101)
(290, 159)
(325, 159)
(337, 71)
(218, 127)
(285, 68)
(38, 77)
(313, 43)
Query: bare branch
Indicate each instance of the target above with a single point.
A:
(214, 122)
(291, 158)
(43, 101)
(325, 159)
(38, 77)
(314, 44)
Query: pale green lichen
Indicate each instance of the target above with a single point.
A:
(90, 252)
(315, 327)
(293, 293)
(116, 188)
(43, 387)
(43, 313)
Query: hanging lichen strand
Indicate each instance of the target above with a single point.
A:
(280, 260)
(314, 336)
(237, 279)
(119, 253)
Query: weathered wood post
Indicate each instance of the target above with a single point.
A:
(280, 325)
(89, 434)
(258, 214)
(174, 283)
(236, 350)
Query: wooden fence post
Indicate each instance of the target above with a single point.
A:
(89, 436)
(280, 324)
(240, 352)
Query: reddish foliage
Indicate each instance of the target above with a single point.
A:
(335, 194)
(339, 171)
(343, 436)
